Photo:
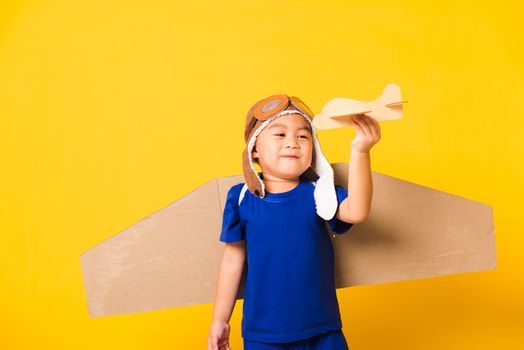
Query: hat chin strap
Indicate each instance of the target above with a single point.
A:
(324, 193)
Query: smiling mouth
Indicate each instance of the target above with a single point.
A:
(294, 157)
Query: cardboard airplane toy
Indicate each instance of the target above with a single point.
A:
(337, 112)
(171, 258)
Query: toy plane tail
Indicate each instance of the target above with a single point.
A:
(391, 96)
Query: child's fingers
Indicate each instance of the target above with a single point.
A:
(376, 126)
(370, 126)
(363, 127)
(357, 125)
(223, 343)
(366, 122)
(213, 343)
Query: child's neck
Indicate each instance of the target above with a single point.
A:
(274, 184)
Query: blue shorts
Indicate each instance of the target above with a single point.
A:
(332, 340)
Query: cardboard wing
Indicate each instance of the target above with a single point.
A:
(171, 258)
(337, 112)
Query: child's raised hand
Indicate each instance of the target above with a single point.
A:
(218, 338)
(368, 133)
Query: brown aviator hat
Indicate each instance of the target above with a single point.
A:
(258, 117)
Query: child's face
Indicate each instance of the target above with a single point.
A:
(286, 135)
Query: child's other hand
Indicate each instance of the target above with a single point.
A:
(368, 133)
(218, 338)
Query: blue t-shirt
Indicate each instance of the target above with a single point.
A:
(289, 290)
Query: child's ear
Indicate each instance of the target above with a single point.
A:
(254, 154)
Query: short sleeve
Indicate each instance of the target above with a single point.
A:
(232, 228)
(336, 225)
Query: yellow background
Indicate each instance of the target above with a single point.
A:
(112, 110)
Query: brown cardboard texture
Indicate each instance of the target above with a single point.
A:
(171, 258)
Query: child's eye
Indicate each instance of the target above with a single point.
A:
(304, 136)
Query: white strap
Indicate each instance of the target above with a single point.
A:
(242, 192)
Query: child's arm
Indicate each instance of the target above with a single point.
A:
(229, 277)
(356, 207)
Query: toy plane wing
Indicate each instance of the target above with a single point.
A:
(171, 258)
(337, 112)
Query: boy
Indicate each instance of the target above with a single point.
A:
(274, 224)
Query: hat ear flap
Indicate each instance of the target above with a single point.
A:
(255, 160)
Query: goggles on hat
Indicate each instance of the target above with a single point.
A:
(270, 106)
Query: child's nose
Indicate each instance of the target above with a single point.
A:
(292, 143)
